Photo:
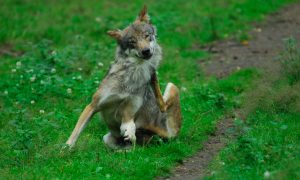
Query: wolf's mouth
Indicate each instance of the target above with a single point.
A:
(144, 57)
(147, 57)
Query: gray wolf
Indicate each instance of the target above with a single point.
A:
(129, 97)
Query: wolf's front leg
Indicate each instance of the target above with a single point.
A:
(84, 118)
(128, 130)
(130, 108)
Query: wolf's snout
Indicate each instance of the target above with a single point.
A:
(146, 53)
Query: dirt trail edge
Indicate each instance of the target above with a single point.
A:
(229, 56)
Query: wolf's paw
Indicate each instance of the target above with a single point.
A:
(64, 148)
(128, 131)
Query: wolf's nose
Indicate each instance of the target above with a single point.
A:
(146, 52)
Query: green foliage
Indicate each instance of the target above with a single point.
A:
(269, 144)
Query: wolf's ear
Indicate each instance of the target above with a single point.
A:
(116, 34)
(143, 16)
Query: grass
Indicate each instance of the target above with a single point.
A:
(66, 54)
(269, 144)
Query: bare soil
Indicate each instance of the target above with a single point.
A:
(7, 50)
(267, 40)
(229, 56)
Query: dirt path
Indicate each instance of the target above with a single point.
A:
(265, 44)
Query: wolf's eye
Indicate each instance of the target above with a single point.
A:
(148, 37)
(131, 41)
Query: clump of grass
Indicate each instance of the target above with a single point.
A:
(290, 60)
(283, 99)
(280, 92)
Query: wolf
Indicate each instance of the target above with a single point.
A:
(129, 97)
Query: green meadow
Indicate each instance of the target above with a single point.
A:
(54, 54)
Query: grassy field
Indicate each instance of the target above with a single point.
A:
(54, 55)
(269, 145)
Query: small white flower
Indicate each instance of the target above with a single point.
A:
(69, 91)
(19, 64)
(32, 102)
(6, 92)
(267, 174)
(98, 19)
(13, 70)
(79, 69)
(42, 111)
(100, 64)
(33, 78)
(183, 89)
(53, 70)
(53, 53)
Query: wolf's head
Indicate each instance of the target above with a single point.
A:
(138, 39)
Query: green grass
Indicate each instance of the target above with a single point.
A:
(64, 44)
(269, 144)
(269, 147)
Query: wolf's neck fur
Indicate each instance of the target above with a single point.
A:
(137, 72)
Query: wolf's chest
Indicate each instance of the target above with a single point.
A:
(137, 76)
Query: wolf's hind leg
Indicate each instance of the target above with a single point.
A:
(169, 127)
(116, 142)
(174, 117)
(110, 141)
